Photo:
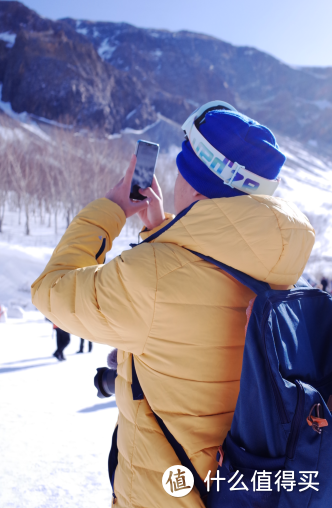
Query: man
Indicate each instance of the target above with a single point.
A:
(81, 349)
(324, 282)
(62, 341)
(182, 318)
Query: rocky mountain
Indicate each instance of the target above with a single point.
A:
(198, 68)
(51, 71)
(114, 75)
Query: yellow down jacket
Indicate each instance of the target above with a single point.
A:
(182, 318)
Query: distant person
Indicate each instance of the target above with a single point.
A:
(82, 347)
(3, 314)
(324, 282)
(62, 341)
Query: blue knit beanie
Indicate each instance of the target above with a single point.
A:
(241, 140)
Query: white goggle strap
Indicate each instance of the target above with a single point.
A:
(206, 107)
(226, 170)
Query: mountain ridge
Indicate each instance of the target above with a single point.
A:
(297, 92)
(116, 75)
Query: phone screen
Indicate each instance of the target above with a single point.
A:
(147, 154)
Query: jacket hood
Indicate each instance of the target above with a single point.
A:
(264, 236)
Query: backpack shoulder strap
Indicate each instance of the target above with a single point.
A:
(178, 449)
(255, 285)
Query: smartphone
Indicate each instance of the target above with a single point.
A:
(147, 154)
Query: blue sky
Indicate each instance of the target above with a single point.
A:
(299, 32)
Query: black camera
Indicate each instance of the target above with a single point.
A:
(104, 381)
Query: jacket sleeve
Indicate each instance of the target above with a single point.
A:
(111, 304)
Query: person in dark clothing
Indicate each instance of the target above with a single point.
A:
(82, 347)
(324, 282)
(62, 341)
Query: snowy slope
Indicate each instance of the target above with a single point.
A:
(306, 180)
(23, 258)
(55, 433)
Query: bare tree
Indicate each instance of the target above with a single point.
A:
(68, 160)
(166, 172)
(4, 183)
(23, 174)
(62, 174)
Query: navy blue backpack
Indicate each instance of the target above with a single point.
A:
(278, 452)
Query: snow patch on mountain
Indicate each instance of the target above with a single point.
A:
(156, 53)
(8, 134)
(105, 50)
(9, 38)
(129, 130)
(83, 31)
(24, 118)
(131, 114)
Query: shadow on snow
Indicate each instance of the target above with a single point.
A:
(98, 407)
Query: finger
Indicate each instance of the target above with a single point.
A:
(118, 184)
(139, 206)
(156, 187)
(149, 193)
(130, 171)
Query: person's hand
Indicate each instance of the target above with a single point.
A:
(154, 214)
(120, 194)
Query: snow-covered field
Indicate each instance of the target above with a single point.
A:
(55, 434)
(306, 180)
(23, 258)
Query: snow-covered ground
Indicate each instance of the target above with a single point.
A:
(306, 180)
(23, 258)
(55, 434)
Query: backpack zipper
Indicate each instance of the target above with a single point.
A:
(273, 299)
(296, 423)
(278, 398)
